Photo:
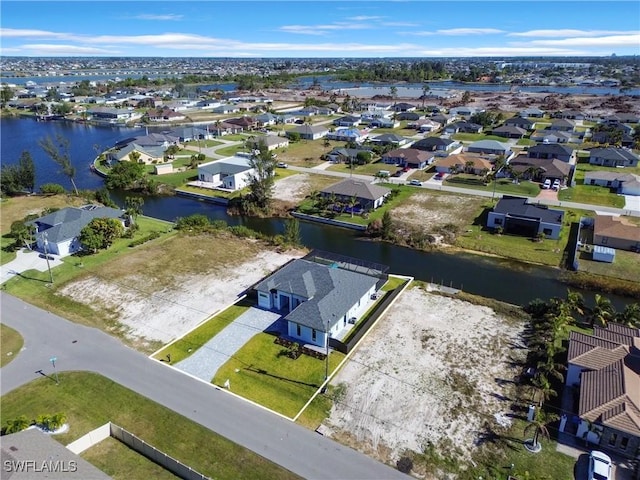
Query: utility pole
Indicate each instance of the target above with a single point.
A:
(45, 244)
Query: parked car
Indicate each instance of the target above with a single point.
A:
(46, 257)
(556, 184)
(599, 466)
(282, 165)
(439, 176)
(547, 184)
(415, 183)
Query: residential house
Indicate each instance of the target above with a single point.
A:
(408, 116)
(230, 173)
(424, 125)
(164, 115)
(552, 150)
(436, 144)
(368, 195)
(462, 127)
(347, 121)
(346, 155)
(520, 122)
(347, 134)
(389, 139)
(616, 118)
(541, 169)
(266, 119)
(272, 142)
(220, 129)
(319, 301)
(403, 107)
(247, 123)
(623, 183)
(58, 232)
(570, 115)
(477, 164)
(562, 125)
(613, 157)
(605, 367)
(509, 131)
(612, 137)
(187, 134)
(464, 111)
(547, 136)
(615, 232)
(226, 109)
(133, 152)
(110, 115)
(532, 112)
(490, 147)
(310, 132)
(517, 216)
(443, 119)
(382, 122)
(408, 157)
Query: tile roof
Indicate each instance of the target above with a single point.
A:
(608, 226)
(357, 188)
(461, 159)
(552, 167)
(330, 291)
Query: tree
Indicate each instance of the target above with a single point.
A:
(466, 97)
(22, 233)
(292, 232)
(133, 207)
(6, 94)
(539, 426)
(425, 90)
(353, 201)
(387, 225)
(100, 233)
(602, 312)
(58, 151)
(363, 157)
(27, 171)
(293, 136)
(542, 390)
(630, 316)
(125, 175)
(575, 301)
(261, 180)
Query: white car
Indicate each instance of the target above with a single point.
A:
(415, 183)
(556, 184)
(599, 466)
(547, 184)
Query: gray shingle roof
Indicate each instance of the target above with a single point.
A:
(519, 207)
(230, 166)
(67, 223)
(357, 188)
(330, 292)
(612, 154)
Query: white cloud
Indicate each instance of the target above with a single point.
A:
(501, 52)
(322, 29)
(151, 16)
(362, 18)
(469, 31)
(568, 33)
(399, 24)
(608, 41)
(54, 49)
(20, 33)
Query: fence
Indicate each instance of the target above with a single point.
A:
(90, 439)
(169, 463)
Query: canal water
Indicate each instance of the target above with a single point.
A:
(480, 275)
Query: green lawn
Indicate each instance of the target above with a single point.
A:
(502, 185)
(231, 150)
(130, 465)
(592, 195)
(367, 169)
(626, 265)
(474, 137)
(33, 285)
(90, 400)
(10, 344)
(191, 342)
(260, 372)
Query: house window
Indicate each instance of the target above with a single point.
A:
(547, 231)
(624, 443)
(497, 221)
(298, 332)
(605, 240)
(613, 439)
(313, 334)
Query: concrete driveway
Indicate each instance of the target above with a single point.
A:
(632, 202)
(26, 260)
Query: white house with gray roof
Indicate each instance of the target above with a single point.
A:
(317, 300)
(61, 229)
(230, 173)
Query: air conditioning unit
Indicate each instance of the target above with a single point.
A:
(352, 320)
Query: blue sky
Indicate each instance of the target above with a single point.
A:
(301, 28)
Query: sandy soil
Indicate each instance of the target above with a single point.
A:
(165, 314)
(293, 188)
(430, 373)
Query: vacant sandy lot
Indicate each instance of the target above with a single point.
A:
(429, 373)
(296, 187)
(169, 312)
(428, 210)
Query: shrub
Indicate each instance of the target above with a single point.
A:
(242, 231)
(404, 465)
(52, 189)
(197, 222)
(146, 238)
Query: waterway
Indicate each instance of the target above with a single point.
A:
(480, 275)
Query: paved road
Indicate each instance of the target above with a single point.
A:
(77, 347)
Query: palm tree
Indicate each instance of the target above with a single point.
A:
(539, 426)
(353, 201)
(17, 425)
(59, 153)
(630, 316)
(549, 368)
(602, 312)
(542, 389)
(575, 301)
